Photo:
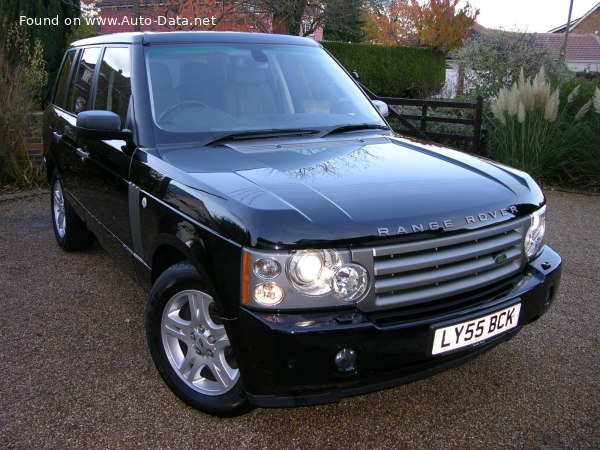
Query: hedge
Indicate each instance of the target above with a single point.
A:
(393, 70)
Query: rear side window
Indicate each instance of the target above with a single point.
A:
(60, 96)
(114, 81)
(79, 96)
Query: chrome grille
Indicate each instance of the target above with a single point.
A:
(424, 271)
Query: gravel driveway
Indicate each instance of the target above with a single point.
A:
(76, 372)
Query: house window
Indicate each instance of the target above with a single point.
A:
(306, 28)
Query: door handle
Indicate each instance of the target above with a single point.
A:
(82, 153)
(57, 136)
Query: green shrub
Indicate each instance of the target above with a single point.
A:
(579, 166)
(588, 76)
(21, 77)
(554, 137)
(579, 141)
(585, 91)
(393, 70)
(493, 60)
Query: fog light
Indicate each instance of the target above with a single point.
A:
(268, 294)
(345, 360)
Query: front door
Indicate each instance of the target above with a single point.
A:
(105, 191)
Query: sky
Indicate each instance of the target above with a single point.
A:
(529, 15)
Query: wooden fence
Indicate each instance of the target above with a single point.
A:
(475, 139)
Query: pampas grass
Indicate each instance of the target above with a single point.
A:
(527, 112)
(535, 133)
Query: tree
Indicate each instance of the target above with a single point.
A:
(305, 16)
(438, 24)
(284, 16)
(287, 14)
(493, 59)
(85, 29)
(348, 28)
(231, 15)
(53, 37)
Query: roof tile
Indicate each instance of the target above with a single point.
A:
(580, 47)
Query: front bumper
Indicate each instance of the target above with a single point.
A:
(289, 359)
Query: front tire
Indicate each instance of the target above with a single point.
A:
(189, 344)
(70, 231)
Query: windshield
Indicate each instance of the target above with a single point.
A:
(199, 91)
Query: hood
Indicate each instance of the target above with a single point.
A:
(327, 190)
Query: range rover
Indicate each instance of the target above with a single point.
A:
(295, 249)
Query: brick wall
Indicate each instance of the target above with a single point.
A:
(590, 24)
(33, 137)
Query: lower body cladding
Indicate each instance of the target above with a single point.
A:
(296, 359)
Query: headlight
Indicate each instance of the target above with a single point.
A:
(350, 282)
(534, 239)
(319, 278)
(310, 271)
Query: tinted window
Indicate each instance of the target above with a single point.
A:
(79, 95)
(63, 81)
(216, 88)
(114, 82)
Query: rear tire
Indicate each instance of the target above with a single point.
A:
(189, 344)
(70, 231)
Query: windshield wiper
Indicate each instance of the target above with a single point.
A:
(261, 134)
(356, 127)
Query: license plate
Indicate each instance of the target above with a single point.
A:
(475, 331)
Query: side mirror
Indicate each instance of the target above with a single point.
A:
(100, 125)
(382, 107)
(355, 75)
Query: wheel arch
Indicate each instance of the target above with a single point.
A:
(177, 239)
(165, 256)
(173, 251)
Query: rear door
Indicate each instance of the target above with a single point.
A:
(79, 99)
(72, 95)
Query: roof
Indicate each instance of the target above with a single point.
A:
(196, 36)
(574, 23)
(580, 47)
(563, 27)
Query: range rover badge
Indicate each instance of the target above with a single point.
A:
(500, 258)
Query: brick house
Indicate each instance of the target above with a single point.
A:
(588, 23)
(583, 50)
(119, 16)
(582, 53)
(583, 46)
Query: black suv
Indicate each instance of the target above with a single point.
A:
(296, 251)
